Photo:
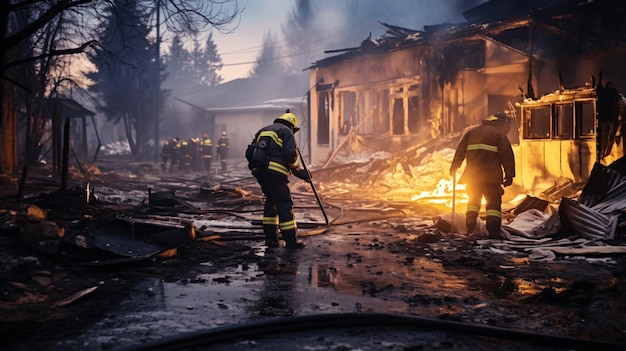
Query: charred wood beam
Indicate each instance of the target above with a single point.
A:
(377, 168)
(521, 52)
(354, 131)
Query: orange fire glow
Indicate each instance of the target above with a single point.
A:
(443, 193)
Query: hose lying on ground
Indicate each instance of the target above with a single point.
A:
(351, 320)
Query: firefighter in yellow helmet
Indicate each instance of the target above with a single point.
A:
(185, 156)
(222, 150)
(206, 152)
(490, 165)
(193, 147)
(273, 156)
(176, 154)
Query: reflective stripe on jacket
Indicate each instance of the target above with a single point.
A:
(206, 148)
(281, 148)
(488, 153)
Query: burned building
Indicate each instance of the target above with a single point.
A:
(410, 87)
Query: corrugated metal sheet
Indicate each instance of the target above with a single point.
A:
(614, 201)
(534, 224)
(586, 221)
(602, 181)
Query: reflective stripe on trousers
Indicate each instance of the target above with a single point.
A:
(493, 197)
(278, 204)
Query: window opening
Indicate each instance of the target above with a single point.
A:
(348, 117)
(585, 119)
(413, 115)
(397, 119)
(537, 124)
(563, 122)
(323, 118)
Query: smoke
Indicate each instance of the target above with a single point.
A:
(341, 24)
(347, 23)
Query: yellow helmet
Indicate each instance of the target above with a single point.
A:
(291, 118)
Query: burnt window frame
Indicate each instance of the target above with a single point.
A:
(366, 100)
(560, 122)
(544, 131)
(382, 117)
(347, 108)
(413, 121)
(397, 116)
(583, 121)
(323, 117)
(586, 120)
(405, 112)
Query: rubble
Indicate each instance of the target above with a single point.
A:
(193, 229)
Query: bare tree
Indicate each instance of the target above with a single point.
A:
(39, 16)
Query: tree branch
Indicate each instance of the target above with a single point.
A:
(44, 19)
(70, 51)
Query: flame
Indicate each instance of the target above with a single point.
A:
(443, 193)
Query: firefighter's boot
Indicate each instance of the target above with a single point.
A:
(290, 239)
(271, 236)
(493, 227)
(470, 224)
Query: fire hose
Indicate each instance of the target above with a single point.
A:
(332, 321)
(319, 201)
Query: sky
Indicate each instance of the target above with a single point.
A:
(240, 48)
(244, 44)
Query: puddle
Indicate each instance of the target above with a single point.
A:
(503, 287)
(207, 290)
(155, 309)
(352, 276)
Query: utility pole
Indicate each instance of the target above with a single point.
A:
(158, 87)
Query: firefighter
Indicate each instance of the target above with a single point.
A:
(206, 152)
(175, 154)
(166, 155)
(279, 147)
(490, 164)
(193, 148)
(222, 150)
(185, 156)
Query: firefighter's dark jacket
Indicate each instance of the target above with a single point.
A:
(488, 152)
(282, 151)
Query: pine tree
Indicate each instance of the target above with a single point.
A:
(298, 33)
(177, 62)
(208, 63)
(267, 64)
(126, 76)
(189, 71)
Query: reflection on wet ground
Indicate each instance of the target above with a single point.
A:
(334, 274)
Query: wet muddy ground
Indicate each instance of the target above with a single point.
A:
(392, 283)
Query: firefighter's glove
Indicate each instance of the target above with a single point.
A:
(302, 174)
(507, 181)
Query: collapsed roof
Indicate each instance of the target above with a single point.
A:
(557, 27)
